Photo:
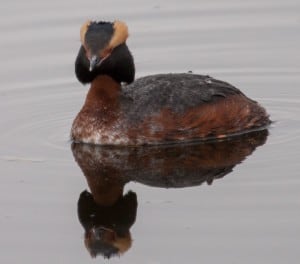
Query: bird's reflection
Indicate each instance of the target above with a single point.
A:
(107, 214)
(107, 227)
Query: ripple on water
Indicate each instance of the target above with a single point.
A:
(42, 114)
(285, 113)
(39, 119)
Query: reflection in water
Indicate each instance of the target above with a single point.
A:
(107, 227)
(107, 214)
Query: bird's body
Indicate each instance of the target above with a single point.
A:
(162, 108)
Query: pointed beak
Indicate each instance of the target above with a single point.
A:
(96, 61)
(93, 62)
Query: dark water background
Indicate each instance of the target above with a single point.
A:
(249, 216)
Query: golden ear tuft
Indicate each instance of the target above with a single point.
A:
(83, 31)
(120, 34)
(123, 243)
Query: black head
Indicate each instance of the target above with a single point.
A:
(104, 51)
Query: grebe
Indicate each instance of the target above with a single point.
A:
(155, 109)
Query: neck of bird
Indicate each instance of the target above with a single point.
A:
(104, 93)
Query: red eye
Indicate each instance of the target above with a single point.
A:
(88, 54)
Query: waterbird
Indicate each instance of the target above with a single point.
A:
(155, 109)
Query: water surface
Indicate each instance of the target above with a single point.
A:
(249, 216)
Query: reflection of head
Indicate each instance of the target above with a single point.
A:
(107, 227)
(101, 241)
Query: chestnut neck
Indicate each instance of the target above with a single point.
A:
(104, 92)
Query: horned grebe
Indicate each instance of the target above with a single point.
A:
(155, 109)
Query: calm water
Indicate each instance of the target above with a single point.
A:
(251, 211)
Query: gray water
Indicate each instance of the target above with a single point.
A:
(250, 216)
